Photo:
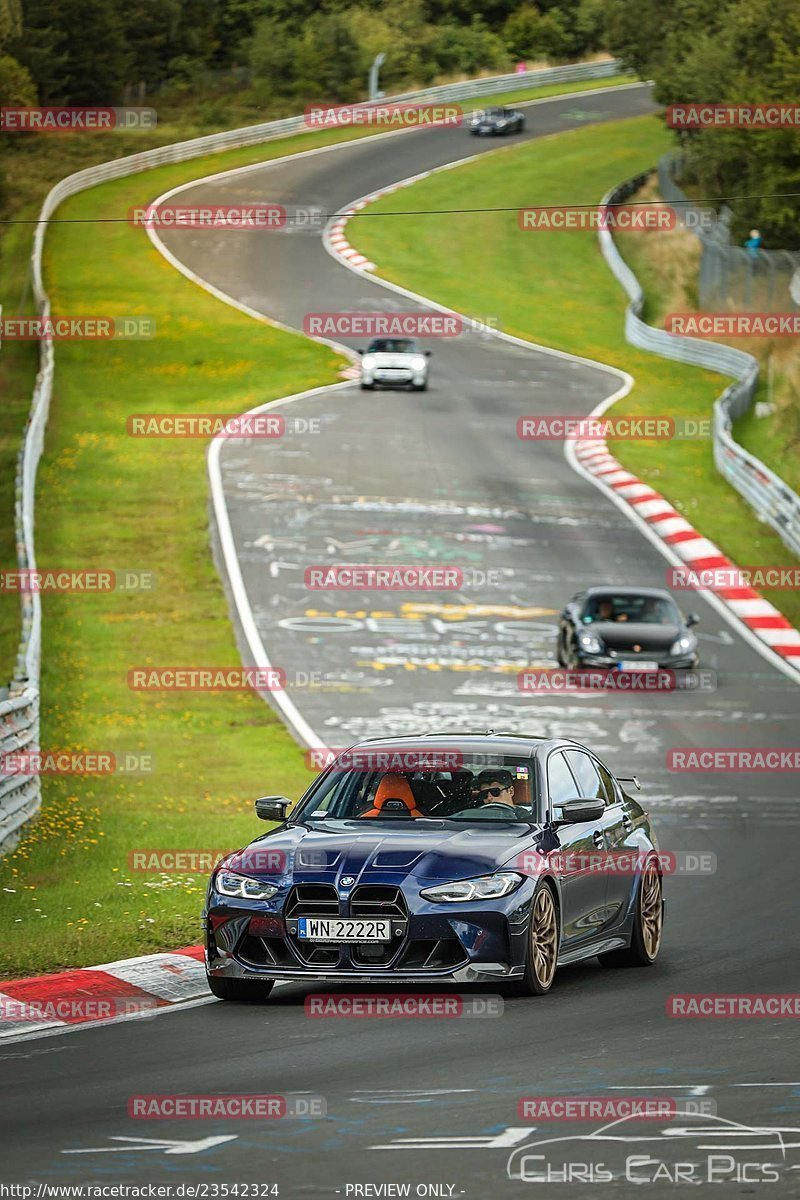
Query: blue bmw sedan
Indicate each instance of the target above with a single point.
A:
(469, 858)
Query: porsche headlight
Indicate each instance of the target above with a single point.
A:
(501, 124)
(417, 363)
(243, 887)
(685, 644)
(369, 362)
(590, 642)
(486, 887)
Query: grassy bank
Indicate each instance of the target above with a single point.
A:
(554, 288)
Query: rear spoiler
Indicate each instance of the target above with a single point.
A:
(630, 779)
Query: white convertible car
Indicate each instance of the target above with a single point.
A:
(392, 362)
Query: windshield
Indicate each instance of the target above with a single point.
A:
(643, 610)
(392, 346)
(467, 788)
(495, 112)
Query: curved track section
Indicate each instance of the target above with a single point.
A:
(441, 477)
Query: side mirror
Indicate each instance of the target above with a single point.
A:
(574, 811)
(692, 619)
(427, 353)
(272, 808)
(360, 351)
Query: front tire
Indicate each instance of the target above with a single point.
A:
(368, 387)
(419, 387)
(541, 951)
(648, 924)
(239, 989)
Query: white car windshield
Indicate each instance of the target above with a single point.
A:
(393, 346)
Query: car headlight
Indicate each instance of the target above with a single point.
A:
(243, 887)
(487, 887)
(501, 124)
(417, 363)
(368, 363)
(590, 642)
(684, 645)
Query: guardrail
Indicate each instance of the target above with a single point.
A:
(771, 498)
(20, 795)
(731, 277)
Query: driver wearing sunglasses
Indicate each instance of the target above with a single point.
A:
(493, 787)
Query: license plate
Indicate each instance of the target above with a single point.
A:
(638, 665)
(343, 929)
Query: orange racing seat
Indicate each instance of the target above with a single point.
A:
(393, 787)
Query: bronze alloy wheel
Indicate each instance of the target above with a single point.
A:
(544, 938)
(650, 909)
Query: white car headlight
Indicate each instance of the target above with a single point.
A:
(590, 642)
(368, 363)
(685, 644)
(501, 122)
(228, 883)
(486, 887)
(417, 363)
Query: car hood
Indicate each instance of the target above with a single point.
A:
(392, 854)
(624, 635)
(391, 360)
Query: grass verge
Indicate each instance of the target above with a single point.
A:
(555, 288)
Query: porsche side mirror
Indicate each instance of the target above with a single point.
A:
(360, 352)
(692, 619)
(427, 353)
(573, 811)
(272, 808)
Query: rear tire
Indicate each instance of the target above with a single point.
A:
(648, 924)
(419, 387)
(368, 387)
(239, 989)
(541, 951)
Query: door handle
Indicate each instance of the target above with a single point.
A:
(598, 839)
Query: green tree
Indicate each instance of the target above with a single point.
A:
(329, 64)
(76, 53)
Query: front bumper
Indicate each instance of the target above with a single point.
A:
(430, 941)
(394, 377)
(668, 662)
(469, 973)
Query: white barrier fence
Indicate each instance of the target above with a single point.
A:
(770, 497)
(20, 795)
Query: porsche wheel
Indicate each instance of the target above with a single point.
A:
(647, 925)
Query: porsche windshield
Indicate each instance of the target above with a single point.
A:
(446, 785)
(642, 610)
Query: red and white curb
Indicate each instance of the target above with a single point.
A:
(129, 987)
(339, 243)
(749, 606)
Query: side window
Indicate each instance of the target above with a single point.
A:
(560, 784)
(609, 786)
(589, 783)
